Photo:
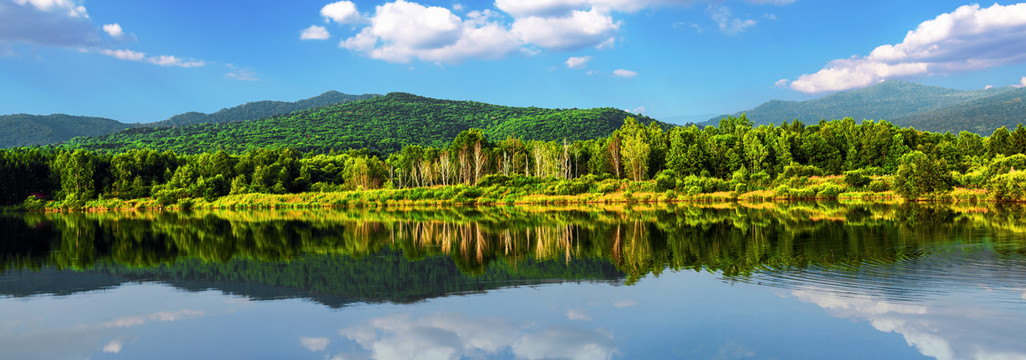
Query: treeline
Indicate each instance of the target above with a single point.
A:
(731, 157)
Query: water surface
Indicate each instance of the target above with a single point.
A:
(785, 281)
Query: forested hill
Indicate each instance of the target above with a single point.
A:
(889, 100)
(261, 109)
(981, 116)
(27, 130)
(383, 124)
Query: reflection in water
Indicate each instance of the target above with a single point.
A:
(453, 336)
(941, 277)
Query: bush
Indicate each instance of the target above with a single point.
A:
(666, 180)
(856, 178)
(1009, 187)
(878, 186)
(740, 188)
(798, 170)
(829, 191)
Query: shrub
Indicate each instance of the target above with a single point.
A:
(856, 178)
(829, 191)
(878, 186)
(798, 170)
(666, 180)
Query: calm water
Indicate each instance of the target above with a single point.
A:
(799, 281)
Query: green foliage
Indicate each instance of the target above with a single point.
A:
(1009, 186)
(384, 124)
(795, 170)
(918, 175)
(856, 178)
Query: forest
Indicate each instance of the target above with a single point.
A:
(383, 124)
(794, 160)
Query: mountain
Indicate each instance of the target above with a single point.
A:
(981, 116)
(260, 109)
(889, 100)
(27, 130)
(385, 124)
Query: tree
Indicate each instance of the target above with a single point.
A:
(918, 175)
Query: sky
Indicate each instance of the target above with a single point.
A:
(144, 61)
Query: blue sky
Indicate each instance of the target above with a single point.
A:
(142, 61)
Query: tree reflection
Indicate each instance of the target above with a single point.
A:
(735, 239)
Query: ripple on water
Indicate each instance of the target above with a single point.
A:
(986, 273)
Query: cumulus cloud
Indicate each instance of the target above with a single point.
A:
(624, 73)
(1022, 83)
(576, 314)
(577, 62)
(579, 30)
(115, 346)
(315, 32)
(401, 31)
(114, 30)
(726, 21)
(342, 12)
(969, 39)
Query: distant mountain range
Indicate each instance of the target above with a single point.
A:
(27, 130)
(928, 108)
(385, 124)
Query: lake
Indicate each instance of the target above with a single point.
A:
(724, 281)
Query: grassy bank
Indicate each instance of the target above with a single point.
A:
(525, 191)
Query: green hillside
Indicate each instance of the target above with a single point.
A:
(261, 109)
(383, 124)
(981, 116)
(27, 130)
(888, 100)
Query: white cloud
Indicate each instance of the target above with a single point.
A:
(315, 32)
(988, 87)
(624, 73)
(241, 74)
(455, 337)
(401, 31)
(168, 60)
(163, 316)
(625, 303)
(578, 315)
(968, 39)
(67, 7)
(579, 30)
(543, 8)
(782, 83)
(726, 21)
(115, 346)
(46, 23)
(342, 12)
(162, 60)
(124, 54)
(564, 343)
(577, 62)
(114, 30)
(314, 344)
(1022, 83)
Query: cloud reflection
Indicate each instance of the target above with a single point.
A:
(941, 331)
(455, 336)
